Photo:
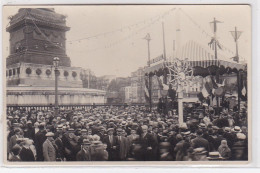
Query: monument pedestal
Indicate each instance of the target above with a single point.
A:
(44, 96)
(37, 36)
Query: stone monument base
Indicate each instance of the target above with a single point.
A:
(45, 96)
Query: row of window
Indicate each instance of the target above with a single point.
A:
(28, 71)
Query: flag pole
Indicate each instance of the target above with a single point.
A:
(148, 39)
(164, 50)
(216, 54)
(236, 34)
(215, 36)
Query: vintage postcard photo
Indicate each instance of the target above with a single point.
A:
(127, 84)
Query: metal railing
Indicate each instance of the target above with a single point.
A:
(68, 107)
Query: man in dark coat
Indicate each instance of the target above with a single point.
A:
(200, 142)
(39, 140)
(60, 149)
(122, 144)
(101, 133)
(84, 154)
(29, 132)
(26, 153)
(147, 143)
(160, 106)
(112, 145)
(70, 142)
(230, 137)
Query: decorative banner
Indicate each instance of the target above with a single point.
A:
(153, 19)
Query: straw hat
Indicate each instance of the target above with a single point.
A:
(241, 136)
(237, 129)
(49, 134)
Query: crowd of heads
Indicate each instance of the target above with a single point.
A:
(126, 133)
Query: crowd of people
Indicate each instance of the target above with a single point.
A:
(127, 133)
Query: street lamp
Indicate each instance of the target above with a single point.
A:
(56, 65)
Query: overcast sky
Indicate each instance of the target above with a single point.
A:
(129, 49)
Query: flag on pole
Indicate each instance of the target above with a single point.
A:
(243, 88)
(163, 87)
(215, 86)
(204, 92)
(200, 97)
(243, 91)
(146, 90)
(207, 87)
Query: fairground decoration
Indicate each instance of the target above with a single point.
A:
(180, 76)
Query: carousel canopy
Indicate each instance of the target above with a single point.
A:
(200, 68)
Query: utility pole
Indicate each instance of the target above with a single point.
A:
(236, 34)
(148, 39)
(164, 50)
(216, 44)
(214, 22)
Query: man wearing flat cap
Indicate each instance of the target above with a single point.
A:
(49, 152)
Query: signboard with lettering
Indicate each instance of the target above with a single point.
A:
(155, 60)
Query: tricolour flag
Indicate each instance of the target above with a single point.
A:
(146, 90)
(204, 92)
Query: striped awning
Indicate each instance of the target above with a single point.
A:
(226, 64)
(159, 68)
